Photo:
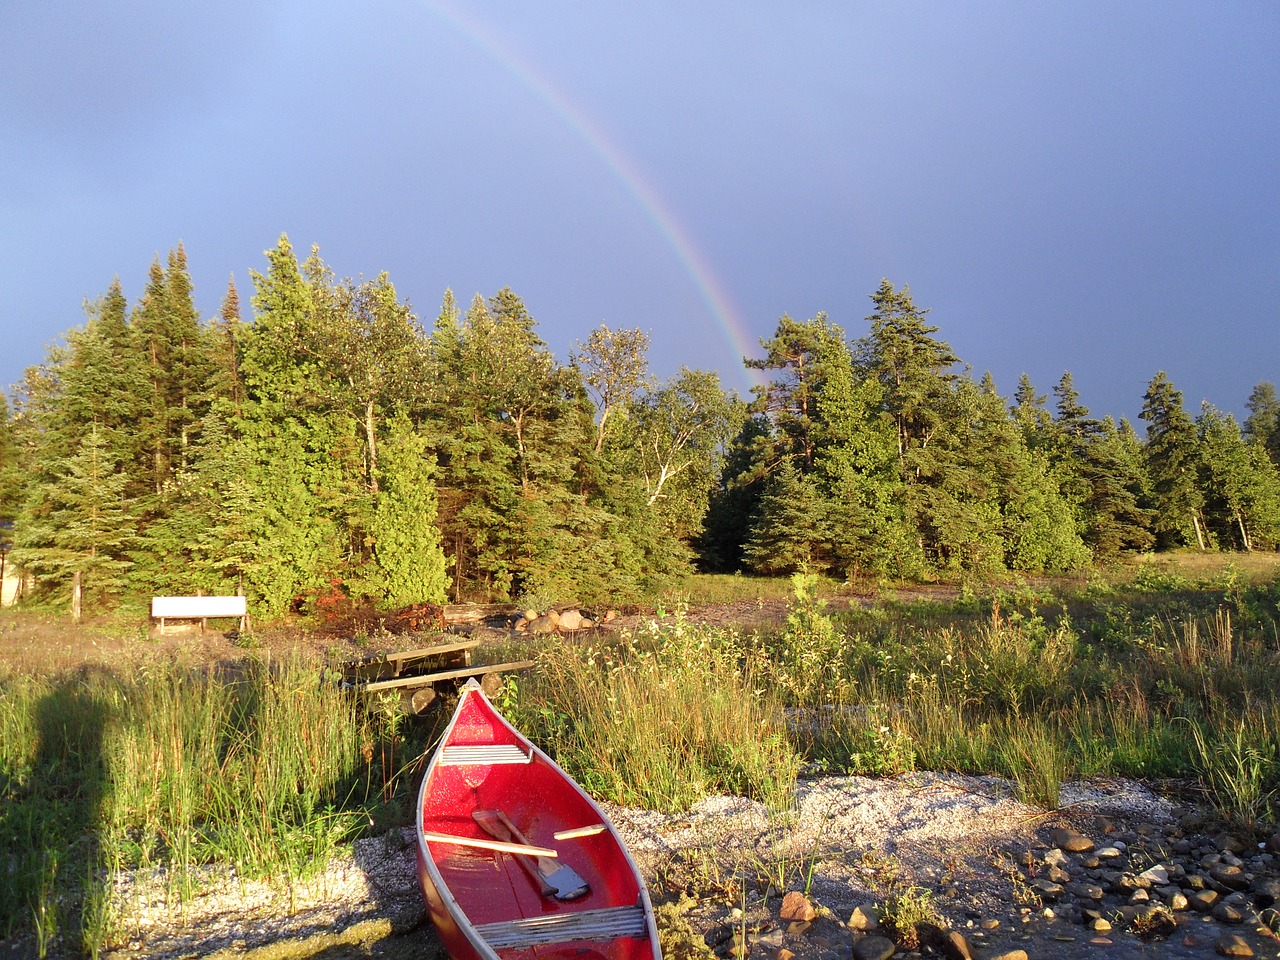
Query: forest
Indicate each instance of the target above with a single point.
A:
(330, 452)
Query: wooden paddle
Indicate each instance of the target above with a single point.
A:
(556, 879)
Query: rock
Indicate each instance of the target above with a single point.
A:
(1233, 945)
(1047, 889)
(1266, 889)
(1231, 877)
(1056, 857)
(1227, 912)
(795, 906)
(864, 917)
(570, 619)
(956, 947)
(1228, 843)
(1140, 896)
(1057, 875)
(1178, 902)
(1157, 875)
(1100, 925)
(1111, 852)
(784, 954)
(548, 623)
(1273, 844)
(1070, 840)
(530, 615)
(1203, 900)
(873, 947)
(1014, 954)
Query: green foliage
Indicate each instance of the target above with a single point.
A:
(410, 562)
(664, 719)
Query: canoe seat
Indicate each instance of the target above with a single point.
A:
(606, 924)
(482, 753)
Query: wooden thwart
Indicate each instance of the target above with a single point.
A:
(484, 843)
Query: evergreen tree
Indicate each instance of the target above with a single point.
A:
(1242, 486)
(1030, 414)
(406, 540)
(1113, 472)
(1262, 426)
(78, 527)
(912, 366)
(1173, 464)
(791, 533)
(10, 482)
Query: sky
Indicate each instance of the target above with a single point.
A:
(1088, 187)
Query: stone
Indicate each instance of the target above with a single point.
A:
(1100, 925)
(1203, 900)
(570, 619)
(544, 624)
(1047, 889)
(1070, 840)
(864, 917)
(1228, 843)
(1014, 954)
(1156, 876)
(1056, 857)
(1057, 875)
(1233, 945)
(784, 954)
(1140, 896)
(1266, 889)
(796, 906)
(873, 947)
(1111, 852)
(1231, 877)
(1178, 902)
(1226, 912)
(1273, 843)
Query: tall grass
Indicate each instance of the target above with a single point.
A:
(664, 718)
(266, 771)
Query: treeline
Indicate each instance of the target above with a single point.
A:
(333, 452)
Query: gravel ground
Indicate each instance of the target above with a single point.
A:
(849, 842)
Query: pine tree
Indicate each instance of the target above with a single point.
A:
(406, 540)
(1242, 488)
(78, 527)
(912, 366)
(1173, 464)
(791, 533)
(1262, 426)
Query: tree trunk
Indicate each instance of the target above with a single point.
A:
(1195, 520)
(1244, 533)
(76, 596)
(371, 438)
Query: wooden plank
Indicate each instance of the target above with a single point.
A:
(426, 652)
(425, 678)
(484, 843)
(194, 608)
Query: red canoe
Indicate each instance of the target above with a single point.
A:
(515, 860)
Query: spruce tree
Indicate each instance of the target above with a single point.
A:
(1173, 464)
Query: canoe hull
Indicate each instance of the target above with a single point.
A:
(487, 904)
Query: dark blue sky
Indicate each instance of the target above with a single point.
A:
(1088, 186)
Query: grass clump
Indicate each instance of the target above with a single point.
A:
(664, 718)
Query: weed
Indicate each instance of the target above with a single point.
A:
(903, 911)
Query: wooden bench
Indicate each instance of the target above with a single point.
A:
(198, 608)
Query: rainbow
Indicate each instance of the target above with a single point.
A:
(659, 213)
